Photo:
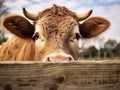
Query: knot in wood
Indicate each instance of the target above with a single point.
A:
(60, 79)
(7, 87)
(53, 88)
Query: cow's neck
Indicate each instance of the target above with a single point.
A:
(17, 49)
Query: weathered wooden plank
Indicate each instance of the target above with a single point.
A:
(82, 75)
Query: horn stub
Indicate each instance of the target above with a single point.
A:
(84, 16)
(29, 15)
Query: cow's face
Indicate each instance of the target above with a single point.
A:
(56, 32)
(57, 39)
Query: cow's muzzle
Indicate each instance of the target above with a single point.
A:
(60, 57)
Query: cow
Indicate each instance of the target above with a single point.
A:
(52, 36)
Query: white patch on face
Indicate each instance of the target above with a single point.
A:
(76, 29)
(73, 41)
(38, 29)
(39, 44)
(40, 41)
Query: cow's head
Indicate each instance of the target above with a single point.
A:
(56, 31)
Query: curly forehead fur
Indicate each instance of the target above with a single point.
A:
(58, 11)
(56, 20)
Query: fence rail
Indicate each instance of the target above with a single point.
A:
(81, 75)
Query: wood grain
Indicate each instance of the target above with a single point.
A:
(81, 75)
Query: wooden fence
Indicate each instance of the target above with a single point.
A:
(82, 75)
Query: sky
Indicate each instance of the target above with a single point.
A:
(109, 9)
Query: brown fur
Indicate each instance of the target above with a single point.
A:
(17, 49)
(57, 36)
(97, 25)
(57, 24)
(58, 11)
(18, 25)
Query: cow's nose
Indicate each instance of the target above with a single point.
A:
(58, 58)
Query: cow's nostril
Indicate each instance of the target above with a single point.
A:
(70, 59)
(48, 59)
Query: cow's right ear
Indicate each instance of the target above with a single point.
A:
(93, 27)
(18, 25)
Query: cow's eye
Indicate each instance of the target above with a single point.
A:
(77, 36)
(36, 36)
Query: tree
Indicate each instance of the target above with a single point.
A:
(117, 50)
(3, 11)
(2, 37)
(3, 8)
(110, 44)
(101, 44)
(109, 47)
(93, 51)
(90, 52)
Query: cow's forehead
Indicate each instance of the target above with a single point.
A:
(65, 24)
(56, 19)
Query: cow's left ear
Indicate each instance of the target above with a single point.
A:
(93, 27)
(18, 25)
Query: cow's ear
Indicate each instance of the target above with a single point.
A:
(18, 25)
(93, 27)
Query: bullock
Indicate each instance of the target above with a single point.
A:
(52, 37)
